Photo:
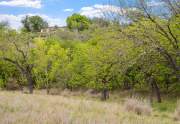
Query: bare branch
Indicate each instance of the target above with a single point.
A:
(164, 32)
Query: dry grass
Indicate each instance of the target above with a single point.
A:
(138, 106)
(177, 112)
(17, 108)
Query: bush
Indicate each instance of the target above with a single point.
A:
(2, 83)
(177, 112)
(137, 106)
(12, 84)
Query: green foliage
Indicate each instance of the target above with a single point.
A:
(78, 22)
(34, 24)
(51, 61)
(105, 57)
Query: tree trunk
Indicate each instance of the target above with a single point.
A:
(157, 91)
(167, 86)
(105, 94)
(127, 85)
(48, 89)
(30, 81)
(151, 89)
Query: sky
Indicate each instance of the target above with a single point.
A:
(55, 12)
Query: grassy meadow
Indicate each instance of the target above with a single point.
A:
(18, 108)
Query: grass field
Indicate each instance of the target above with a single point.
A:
(18, 108)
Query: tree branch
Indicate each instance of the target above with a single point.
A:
(13, 62)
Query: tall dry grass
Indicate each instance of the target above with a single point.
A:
(138, 106)
(177, 112)
(17, 108)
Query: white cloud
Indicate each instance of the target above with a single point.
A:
(68, 10)
(22, 3)
(154, 3)
(99, 10)
(15, 20)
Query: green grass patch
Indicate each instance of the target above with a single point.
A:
(165, 106)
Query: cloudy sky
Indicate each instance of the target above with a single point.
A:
(54, 11)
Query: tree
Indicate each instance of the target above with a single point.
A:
(79, 68)
(51, 63)
(78, 22)
(34, 23)
(16, 49)
(168, 30)
(159, 30)
(110, 59)
(157, 35)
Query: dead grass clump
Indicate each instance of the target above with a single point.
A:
(138, 106)
(66, 92)
(54, 91)
(92, 93)
(177, 112)
(12, 84)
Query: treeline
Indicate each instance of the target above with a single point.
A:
(97, 54)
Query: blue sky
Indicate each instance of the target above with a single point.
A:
(54, 11)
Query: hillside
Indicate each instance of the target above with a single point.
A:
(119, 66)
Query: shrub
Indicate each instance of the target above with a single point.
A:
(138, 106)
(2, 83)
(12, 84)
(177, 112)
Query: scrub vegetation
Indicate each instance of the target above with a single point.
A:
(123, 73)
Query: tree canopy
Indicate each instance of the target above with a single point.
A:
(34, 23)
(141, 55)
(78, 22)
